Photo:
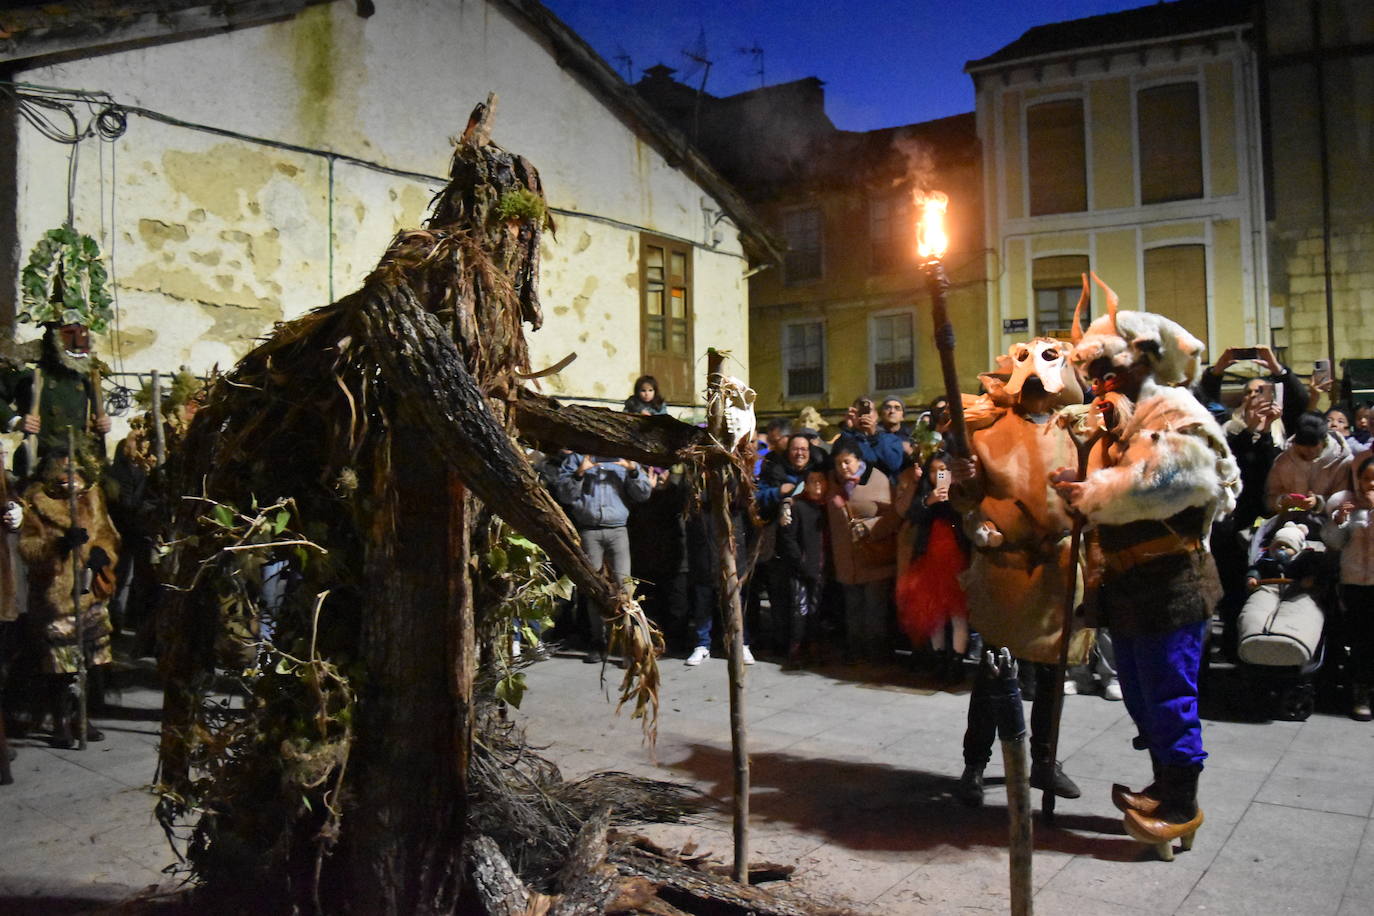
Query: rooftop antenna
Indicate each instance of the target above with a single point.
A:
(623, 58)
(697, 55)
(755, 52)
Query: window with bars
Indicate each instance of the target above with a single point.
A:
(804, 260)
(894, 364)
(666, 315)
(803, 358)
(890, 231)
(1169, 128)
(1056, 157)
(1058, 282)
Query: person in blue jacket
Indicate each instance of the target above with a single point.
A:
(878, 448)
(597, 493)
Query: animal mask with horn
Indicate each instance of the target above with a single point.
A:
(1128, 337)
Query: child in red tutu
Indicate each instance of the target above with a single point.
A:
(929, 595)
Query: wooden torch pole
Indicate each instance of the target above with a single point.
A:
(938, 285)
(718, 491)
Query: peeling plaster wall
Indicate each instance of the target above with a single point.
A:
(213, 238)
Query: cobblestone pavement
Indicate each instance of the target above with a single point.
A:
(852, 774)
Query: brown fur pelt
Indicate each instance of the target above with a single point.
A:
(46, 518)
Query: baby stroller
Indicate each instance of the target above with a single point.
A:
(1281, 628)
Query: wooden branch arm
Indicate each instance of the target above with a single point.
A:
(439, 395)
(659, 440)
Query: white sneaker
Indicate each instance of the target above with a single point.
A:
(699, 655)
(1070, 687)
(748, 656)
(1112, 690)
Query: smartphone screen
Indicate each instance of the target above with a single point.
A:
(1321, 371)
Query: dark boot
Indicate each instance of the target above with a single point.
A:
(970, 788)
(952, 668)
(1145, 801)
(1050, 776)
(62, 706)
(97, 683)
(1359, 704)
(1176, 818)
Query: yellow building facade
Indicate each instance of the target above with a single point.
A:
(1136, 157)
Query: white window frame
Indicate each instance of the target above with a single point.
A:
(873, 320)
(786, 351)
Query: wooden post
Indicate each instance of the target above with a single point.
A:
(76, 594)
(159, 434)
(720, 495)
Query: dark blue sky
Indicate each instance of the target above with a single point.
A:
(884, 62)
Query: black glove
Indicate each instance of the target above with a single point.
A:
(98, 559)
(73, 538)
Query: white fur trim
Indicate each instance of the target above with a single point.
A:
(1174, 456)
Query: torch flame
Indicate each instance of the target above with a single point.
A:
(931, 238)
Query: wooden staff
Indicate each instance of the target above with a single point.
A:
(35, 410)
(719, 493)
(76, 594)
(159, 434)
(1070, 593)
(9, 594)
(1011, 729)
(98, 409)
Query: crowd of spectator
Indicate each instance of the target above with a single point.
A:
(854, 553)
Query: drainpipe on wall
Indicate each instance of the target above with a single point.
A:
(1324, 156)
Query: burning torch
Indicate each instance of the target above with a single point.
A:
(931, 243)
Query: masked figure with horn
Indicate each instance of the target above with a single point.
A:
(1171, 475)
(1017, 578)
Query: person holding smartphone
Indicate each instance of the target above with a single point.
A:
(877, 447)
(1287, 390)
(929, 596)
(597, 493)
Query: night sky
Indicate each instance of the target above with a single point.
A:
(884, 62)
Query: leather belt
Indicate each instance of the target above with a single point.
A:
(1167, 545)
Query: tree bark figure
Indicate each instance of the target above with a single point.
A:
(388, 418)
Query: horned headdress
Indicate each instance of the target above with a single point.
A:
(1127, 337)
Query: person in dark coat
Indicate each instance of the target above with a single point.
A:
(801, 561)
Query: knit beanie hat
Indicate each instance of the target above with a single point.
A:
(1291, 535)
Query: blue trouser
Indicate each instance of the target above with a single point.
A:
(1158, 675)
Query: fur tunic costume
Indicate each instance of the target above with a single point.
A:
(1016, 589)
(1171, 477)
(46, 519)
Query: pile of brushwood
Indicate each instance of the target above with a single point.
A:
(357, 538)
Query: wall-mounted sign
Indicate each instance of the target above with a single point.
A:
(1013, 325)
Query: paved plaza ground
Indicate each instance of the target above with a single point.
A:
(852, 776)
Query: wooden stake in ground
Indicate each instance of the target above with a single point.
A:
(719, 492)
